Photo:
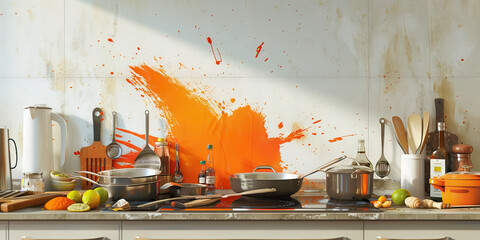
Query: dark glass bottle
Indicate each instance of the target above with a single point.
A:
(202, 175)
(438, 161)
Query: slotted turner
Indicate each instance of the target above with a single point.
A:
(94, 157)
(147, 158)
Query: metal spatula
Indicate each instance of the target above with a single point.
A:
(147, 158)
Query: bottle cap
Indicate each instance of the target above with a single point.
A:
(160, 139)
(209, 146)
(202, 162)
(440, 126)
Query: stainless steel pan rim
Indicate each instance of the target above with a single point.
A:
(130, 192)
(125, 176)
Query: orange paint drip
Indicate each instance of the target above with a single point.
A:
(209, 40)
(340, 138)
(259, 48)
(240, 140)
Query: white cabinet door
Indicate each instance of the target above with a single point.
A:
(3, 230)
(242, 229)
(64, 229)
(456, 230)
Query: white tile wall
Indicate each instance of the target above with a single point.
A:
(345, 62)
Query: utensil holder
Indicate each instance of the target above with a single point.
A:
(412, 174)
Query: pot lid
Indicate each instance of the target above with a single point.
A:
(462, 175)
(350, 169)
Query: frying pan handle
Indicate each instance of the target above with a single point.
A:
(92, 173)
(97, 118)
(87, 179)
(264, 167)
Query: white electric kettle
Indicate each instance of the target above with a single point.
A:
(38, 143)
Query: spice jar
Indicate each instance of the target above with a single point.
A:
(33, 182)
(461, 157)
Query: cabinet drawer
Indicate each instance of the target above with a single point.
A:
(242, 230)
(456, 230)
(3, 230)
(64, 229)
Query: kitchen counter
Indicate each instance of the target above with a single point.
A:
(394, 213)
(401, 213)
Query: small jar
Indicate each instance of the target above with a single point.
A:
(33, 182)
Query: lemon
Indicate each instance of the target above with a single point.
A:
(91, 198)
(399, 196)
(75, 196)
(103, 194)
(78, 207)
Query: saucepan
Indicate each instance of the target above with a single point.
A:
(285, 184)
(349, 182)
(125, 176)
(131, 192)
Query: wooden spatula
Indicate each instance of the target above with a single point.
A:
(401, 134)
(414, 132)
(94, 157)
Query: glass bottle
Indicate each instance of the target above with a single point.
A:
(161, 149)
(438, 161)
(210, 172)
(202, 174)
(361, 157)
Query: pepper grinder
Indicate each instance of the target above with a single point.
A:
(461, 153)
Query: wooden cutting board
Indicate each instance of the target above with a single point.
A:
(94, 157)
(16, 203)
(450, 138)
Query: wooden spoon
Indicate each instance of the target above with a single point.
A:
(425, 128)
(400, 133)
(414, 132)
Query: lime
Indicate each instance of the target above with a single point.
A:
(103, 194)
(78, 207)
(91, 198)
(75, 196)
(399, 196)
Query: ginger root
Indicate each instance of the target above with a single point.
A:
(412, 202)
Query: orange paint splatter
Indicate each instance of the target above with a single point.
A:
(280, 125)
(111, 73)
(259, 48)
(340, 138)
(76, 153)
(110, 40)
(266, 59)
(317, 121)
(195, 122)
(232, 100)
(462, 60)
(209, 40)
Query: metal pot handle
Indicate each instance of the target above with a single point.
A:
(324, 167)
(264, 167)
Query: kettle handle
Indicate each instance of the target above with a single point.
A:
(63, 133)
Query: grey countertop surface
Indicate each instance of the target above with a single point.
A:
(394, 213)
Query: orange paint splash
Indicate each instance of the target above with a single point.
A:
(76, 153)
(280, 125)
(317, 121)
(240, 140)
(259, 48)
(209, 40)
(110, 40)
(340, 138)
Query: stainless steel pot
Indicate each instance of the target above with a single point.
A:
(285, 184)
(349, 182)
(130, 192)
(126, 176)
